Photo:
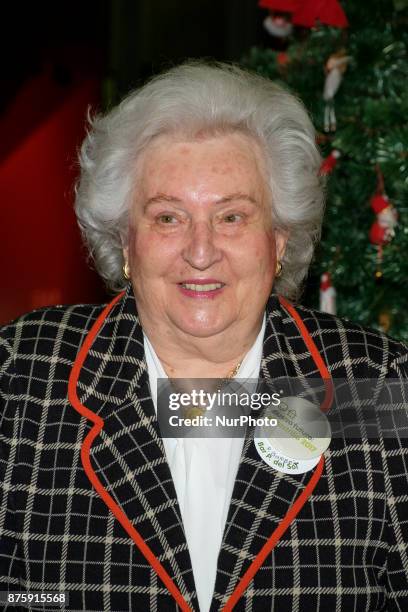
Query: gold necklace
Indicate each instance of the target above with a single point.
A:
(192, 411)
(233, 372)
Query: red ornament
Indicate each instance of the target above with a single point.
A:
(282, 58)
(311, 12)
(379, 202)
(329, 163)
(284, 6)
(383, 228)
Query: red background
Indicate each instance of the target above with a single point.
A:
(43, 259)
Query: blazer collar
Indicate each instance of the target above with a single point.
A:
(115, 367)
(129, 459)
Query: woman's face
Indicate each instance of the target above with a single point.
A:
(202, 250)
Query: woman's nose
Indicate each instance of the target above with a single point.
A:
(201, 250)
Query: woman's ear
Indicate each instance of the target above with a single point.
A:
(281, 239)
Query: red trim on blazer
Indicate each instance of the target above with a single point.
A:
(317, 358)
(121, 516)
(275, 537)
(96, 483)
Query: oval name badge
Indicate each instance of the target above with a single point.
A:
(281, 462)
(300, 437)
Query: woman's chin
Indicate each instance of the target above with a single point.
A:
(200, 328)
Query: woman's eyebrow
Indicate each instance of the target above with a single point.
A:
(237, 196)
(162, 197)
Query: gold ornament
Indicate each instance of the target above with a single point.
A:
(384, 321)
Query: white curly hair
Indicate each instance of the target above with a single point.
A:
(192, 98)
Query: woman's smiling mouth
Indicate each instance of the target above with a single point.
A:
(201, 288)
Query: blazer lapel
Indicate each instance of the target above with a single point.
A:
(128, 455)
(262, 496)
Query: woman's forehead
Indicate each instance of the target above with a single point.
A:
(231, 158)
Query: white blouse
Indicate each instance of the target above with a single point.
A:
(204, 472)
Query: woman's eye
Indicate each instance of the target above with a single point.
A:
(166, 219)
(232, 218)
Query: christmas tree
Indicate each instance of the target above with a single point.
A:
(348, 62)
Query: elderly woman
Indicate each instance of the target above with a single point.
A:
(201, 203)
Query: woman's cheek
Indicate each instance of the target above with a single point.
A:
(154, 249)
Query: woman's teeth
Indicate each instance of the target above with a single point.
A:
(209, 287)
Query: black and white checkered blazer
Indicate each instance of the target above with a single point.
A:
(346, 550)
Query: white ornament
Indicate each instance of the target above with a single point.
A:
(327, 295)
(279, 27)
(335, 68)
(388, 219)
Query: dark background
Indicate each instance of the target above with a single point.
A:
(58, 61)
(122, 41)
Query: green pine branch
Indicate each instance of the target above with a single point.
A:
(372, 129)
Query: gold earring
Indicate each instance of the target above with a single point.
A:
(278, 271)
(126, 271)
